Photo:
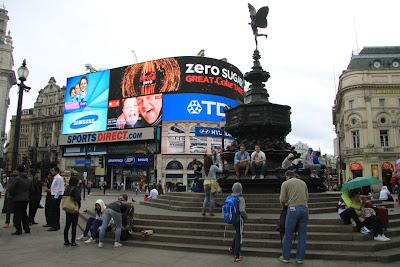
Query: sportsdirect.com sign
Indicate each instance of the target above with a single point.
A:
(107, 137)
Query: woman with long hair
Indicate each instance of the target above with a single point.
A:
(72, 218)
(209, 174)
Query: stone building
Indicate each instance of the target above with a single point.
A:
(40, 128)
(7, 77)
(366, 114)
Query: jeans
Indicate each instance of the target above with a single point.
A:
(108, 214)
(70, 219)
(237, 239)
(209, 198)
(92, 225)
(20, 216)
(296, 215)
(254, 166)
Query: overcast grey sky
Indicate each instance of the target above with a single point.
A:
(309, 44)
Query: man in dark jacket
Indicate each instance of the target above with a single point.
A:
(19, 190)
(35, 196)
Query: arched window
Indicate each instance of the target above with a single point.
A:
(174, 165)
(191, 164)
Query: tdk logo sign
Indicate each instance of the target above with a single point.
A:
(84, 121)
(211, 107)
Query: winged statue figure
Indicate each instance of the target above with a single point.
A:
(258, 20)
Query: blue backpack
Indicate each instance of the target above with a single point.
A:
(230, 210)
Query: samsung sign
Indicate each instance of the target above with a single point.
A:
(107, 137)
(195, 107)
(210, 132)
(141, 160)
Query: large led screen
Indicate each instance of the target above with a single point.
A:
(86, 103)
(177, 75)
(134, 112)
(195, 107)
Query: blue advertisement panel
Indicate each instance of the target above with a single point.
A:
(86, 103)
(140, 160)
(195, 107)
(210, 132)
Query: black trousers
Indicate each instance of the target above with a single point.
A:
(47, 208)
(71, 219)
(20, 216)
(373, 223)
(348, 214)
(55, 212)
(33, 206)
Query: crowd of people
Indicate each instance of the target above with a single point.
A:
(117, 217)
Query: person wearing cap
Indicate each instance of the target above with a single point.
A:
(309, 163)
(114, 211)
(294, 195)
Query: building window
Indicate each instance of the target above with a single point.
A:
(381, 102)
(351, 104)
(384, 136)
(355, 135)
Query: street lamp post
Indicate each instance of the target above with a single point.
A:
(23, 73)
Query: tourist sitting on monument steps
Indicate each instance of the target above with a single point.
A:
(258, 161)
(294, 195)
(114, 211)
(309, 163)
(348, 203)
(209, 174)
(385, 195)
(241, 161)
(289, 163)
(371, 220)
(93, 224)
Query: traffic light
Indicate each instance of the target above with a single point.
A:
(101, 162)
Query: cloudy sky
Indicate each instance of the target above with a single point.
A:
(309, 44)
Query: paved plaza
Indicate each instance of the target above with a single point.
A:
(42, 248)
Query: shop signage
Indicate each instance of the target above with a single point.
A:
(108, 137)
(210, 132)
(140, 160)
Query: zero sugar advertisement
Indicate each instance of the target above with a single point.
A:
(86, 103)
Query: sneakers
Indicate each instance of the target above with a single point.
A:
(299, 262)
(90, 241)
(117, 245)
(283, 260)
(380, 238)
(364, 230)
(101, 244)
(253, 177)
(79, 238)
(385, 237)
(261, 176)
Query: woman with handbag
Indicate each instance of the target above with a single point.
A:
(210, 184)
(71, 203)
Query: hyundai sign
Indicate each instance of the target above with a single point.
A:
(195, 107)
(86, 103)
(210, 132)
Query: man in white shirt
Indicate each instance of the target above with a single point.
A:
(57, 191)
(153, 194)
(258, 161)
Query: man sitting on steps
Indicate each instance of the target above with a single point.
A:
(241, 161)
(258, 161)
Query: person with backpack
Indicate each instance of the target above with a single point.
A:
(234, 211)
(209, 174)
(294, 195)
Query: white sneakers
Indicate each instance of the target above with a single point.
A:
(253, 177)
(90, 240)
(261, 176)
(283, 260)
(381, 238)
(101, 244)
(364, 230)
(117, 245)
(79, 238)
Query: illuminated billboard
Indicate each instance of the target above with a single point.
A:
(86, 103)
(195, 107)
(134, 112)
(177, 75)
